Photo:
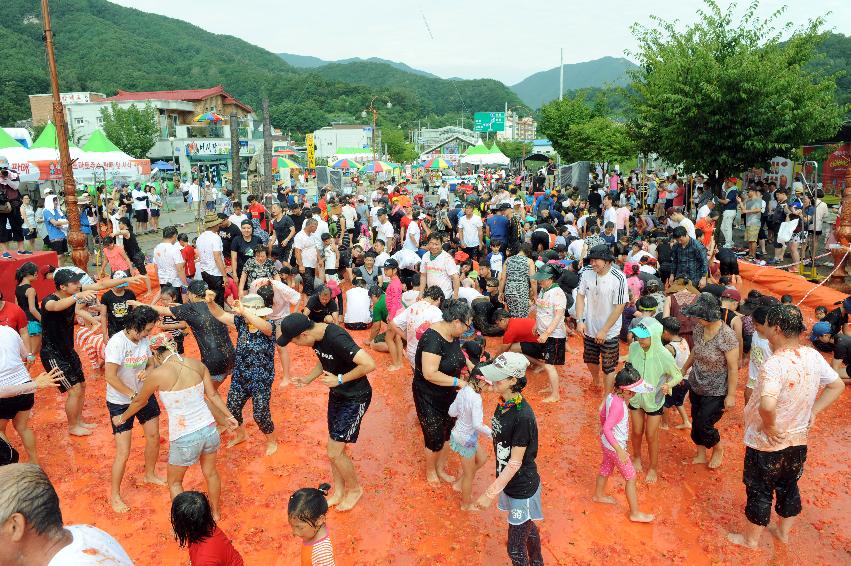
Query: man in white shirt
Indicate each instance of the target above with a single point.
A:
(170, 263)
(443, 191)
(357, 315)
(321, 225)
(238, 215)
(31, 504)
(306, 254)
(600, 300)
(610, 213)
(194, 192)
(384, 229)
(438, 268)
(140, 208)
(211, 263)
(413, 233)
(704, 210)
(677, 218)
(470, 230)
(407, 322)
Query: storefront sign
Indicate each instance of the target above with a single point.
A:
(217, 148)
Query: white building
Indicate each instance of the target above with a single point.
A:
(517, 128)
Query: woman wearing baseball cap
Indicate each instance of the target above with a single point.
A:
(515, 444)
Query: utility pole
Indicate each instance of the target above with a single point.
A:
(267, 147)
(235, 174)
(561, 75)
(79, 253)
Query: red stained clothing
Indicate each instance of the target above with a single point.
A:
(680, 196)
(216, 550)
(12, 315)
(231, 290)
(188, 253)
(258, 211)
(520, 330)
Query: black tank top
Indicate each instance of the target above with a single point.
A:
(23, 301)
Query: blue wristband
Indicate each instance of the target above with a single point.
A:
(339, 379)
(454, 382)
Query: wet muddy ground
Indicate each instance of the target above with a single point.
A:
(403, 521)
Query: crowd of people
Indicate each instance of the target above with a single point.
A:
(426, 278)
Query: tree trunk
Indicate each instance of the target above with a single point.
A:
(235, 174)
(267, 147)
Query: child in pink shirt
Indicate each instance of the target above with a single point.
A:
(393, 300)
(614, 420)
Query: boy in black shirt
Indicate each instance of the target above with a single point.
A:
(114, 307)
(515, 443)
(342, 367)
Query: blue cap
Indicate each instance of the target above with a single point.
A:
(640, 331)
(820, 329)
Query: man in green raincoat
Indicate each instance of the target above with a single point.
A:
(657, 366)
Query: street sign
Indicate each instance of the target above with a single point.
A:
(489, 121)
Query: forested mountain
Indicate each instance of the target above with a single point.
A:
(102, 47)
(310, 62)
(538, 89)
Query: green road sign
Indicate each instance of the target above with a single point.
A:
(489, 121)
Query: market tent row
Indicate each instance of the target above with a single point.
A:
(480, 154)
(98, 159)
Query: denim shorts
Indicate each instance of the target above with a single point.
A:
(188, 449)
(34, 327)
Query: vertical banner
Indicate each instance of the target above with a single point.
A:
(311, 151)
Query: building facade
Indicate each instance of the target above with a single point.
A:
(41, 105)
(329, 139)
(517, 128)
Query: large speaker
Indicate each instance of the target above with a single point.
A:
(322, 177)
(576, 175)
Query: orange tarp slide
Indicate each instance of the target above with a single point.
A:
(781, 282)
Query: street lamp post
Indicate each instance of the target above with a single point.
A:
(371, 108)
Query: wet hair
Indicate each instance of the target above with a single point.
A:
(26, 270)
(192, 518)
(434, 293)
(169, 232)
(626, 376)
(519, 384)
(671, 325)
(308, 504)
(679, 232)
(456, 309)
(172, 292)
(821, 308)
(267, 294)
(359, 282)
(26, 489)
(787, 318)
(108, 241)
(435, 237)
(647, 303)
(786, 300)
(140, 317)
(500, 314)
(474, 350)
(375, 291)
(260, 249)
(182, 237)
(760, 313)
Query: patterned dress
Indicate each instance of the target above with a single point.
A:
(517, 286)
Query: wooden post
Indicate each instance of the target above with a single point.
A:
(267, 184)
(235, 173)
(79, 253)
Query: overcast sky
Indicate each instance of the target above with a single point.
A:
(501, 39)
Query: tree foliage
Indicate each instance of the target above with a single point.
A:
(398, 147)
(133, 129)
(514, 149)
(726, 95)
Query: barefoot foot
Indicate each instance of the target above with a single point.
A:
(457, 487)
(651, 476)
(717, 458)
(775, 531)
(88, 425)
(394, 367)
(432, 479)
(335, 498)
(271, 448)
(284, 382)
(350, 500)
(641, 517)
(79, 431)
(698, 460)
(664, 426)
(550, 399)
(604, 499)
(153, 479)
(118, 504)
(740, 540)
(636, 463)
(238, 437)
(684, 426)
(445, 477)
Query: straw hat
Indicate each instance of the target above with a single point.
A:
(212, 220)
(255, 304)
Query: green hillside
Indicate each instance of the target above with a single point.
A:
(310, 62)
(538, 89)
(103, 47)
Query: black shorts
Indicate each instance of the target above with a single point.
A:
(151, 410)
(432, 404)
(155, 213)
(8, 454)
(345, 417)
(68, 363)
(767, 475)
(657, 413)
(677, 396)
(140, 215)
(608, 351)
(11, 406)
(357, 325)
(550, 352)
(138, 261)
